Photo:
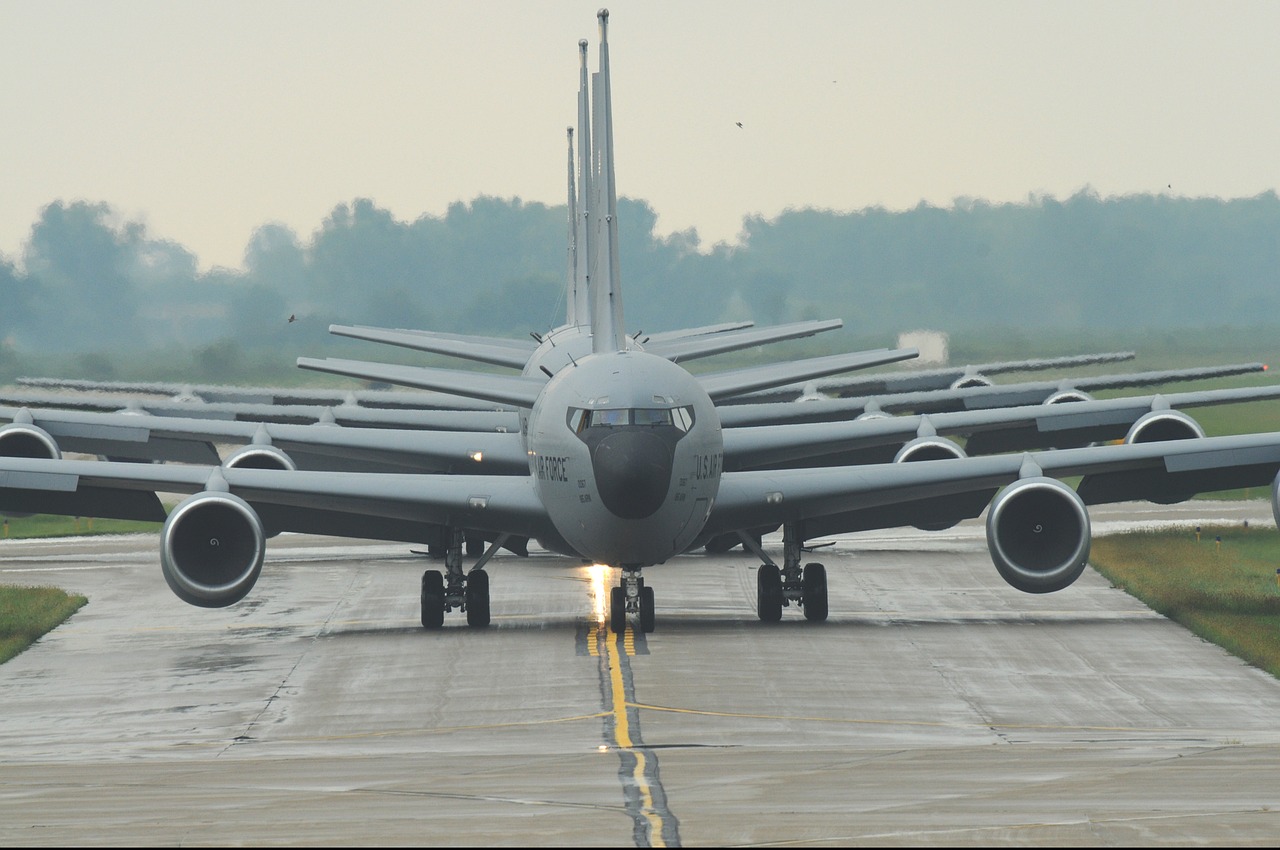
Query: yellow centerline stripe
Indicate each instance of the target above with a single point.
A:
(622, 739)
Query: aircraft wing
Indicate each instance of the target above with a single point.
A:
(286, 500)
(692, 348)
(922, 380)
(841, 499)
(480, 352)
(733, 415)
(215, 394)
(1003, 429)
(141, 437)
(431, 419)
(503, 389)
(721, 385)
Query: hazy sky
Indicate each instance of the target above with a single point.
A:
(206, 120)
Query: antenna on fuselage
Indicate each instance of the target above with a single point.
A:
(606, 308)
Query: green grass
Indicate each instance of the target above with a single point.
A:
(49, 525)
(1226, 592)
(28, 613)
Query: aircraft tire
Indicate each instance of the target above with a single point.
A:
(648, 618)
(769, 593)
(477, 599)
(617, 610)
(815, 592)
(432, 599)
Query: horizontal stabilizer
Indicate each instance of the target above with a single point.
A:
(702, 330)
(480, 352)
(706, 346)
(503, 389)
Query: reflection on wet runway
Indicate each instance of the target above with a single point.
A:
(936, 706)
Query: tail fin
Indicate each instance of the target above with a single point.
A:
(582, 223)
(571, 315)
(607, 325)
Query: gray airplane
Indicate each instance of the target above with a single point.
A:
(626, 466)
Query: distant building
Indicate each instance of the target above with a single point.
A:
(932, 346)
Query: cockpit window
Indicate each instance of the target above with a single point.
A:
(580, 420)
(610, 417)
(651, 416)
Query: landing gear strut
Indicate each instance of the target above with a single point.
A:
(632, 595)
(778, 587)
(456, 590)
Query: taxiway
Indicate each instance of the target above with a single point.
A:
(936, 706)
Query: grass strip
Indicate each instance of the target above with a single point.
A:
(28, 613)
(1219, 582)
(51, 525)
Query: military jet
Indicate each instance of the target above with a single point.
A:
(626, 466)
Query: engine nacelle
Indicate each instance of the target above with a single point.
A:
(923, 449)
(1275, 499)
(1068, 396)
(968, 382)
(1038, 534)
(928, 448)
(1159, 425)
(22, 439)
(211, 549)
(259, 457)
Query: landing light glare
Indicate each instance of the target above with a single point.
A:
(599, 591)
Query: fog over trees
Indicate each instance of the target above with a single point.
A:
(87, 281)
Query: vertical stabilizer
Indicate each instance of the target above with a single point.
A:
(606, 309)
(571, 315)
(582, 224)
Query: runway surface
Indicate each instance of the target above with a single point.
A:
(936, 706)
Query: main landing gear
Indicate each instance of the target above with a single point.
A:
(777, 587)
(632, 596)
(456, 590)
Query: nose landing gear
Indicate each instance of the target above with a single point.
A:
(631, 596)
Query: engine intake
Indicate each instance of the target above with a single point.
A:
(928, 448)
(259, 457)
(19, 439)
(1160, 425)
(1038, 535)
(972, 381)
(1068, 396)
(924, 449)
(1275, 498)
(211, 549)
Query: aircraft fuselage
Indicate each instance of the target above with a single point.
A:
(625, 450)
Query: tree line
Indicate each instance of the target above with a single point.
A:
(86, 282)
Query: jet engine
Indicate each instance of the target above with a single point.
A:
(930, 448)
(1161, 425)
(1275, 498)
(211, 549)
(259, 457)
(971, 381)
(22, 439)
(1038, 534)
(1067, 396)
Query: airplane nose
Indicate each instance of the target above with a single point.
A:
(633, 472)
